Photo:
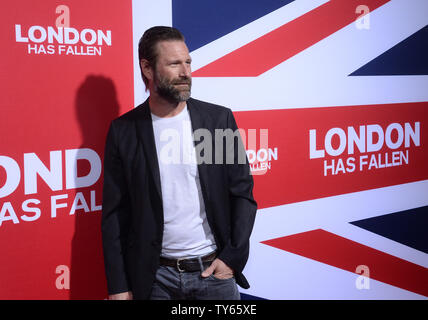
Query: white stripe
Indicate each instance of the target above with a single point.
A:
(146, 14)
(338, 210)
(277, 274)
(239, 37)
(318, 76)
(378, 242)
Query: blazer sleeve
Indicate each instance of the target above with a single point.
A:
(115, 216)
(242, 204)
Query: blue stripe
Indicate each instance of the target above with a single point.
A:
(407, 227)
(409, 57)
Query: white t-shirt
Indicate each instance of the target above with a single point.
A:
(186, 230)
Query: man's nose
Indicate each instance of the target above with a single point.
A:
(185, 71)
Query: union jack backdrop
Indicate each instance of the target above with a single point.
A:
(332, 100)
(341, 183)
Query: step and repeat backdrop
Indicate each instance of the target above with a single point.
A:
(332, 100)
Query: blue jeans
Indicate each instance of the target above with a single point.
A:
(170, 284)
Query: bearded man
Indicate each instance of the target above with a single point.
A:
(176, 218)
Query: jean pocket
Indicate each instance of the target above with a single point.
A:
(213, 277)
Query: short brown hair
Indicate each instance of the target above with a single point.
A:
(147, 44)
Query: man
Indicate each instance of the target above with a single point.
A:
(177, 217)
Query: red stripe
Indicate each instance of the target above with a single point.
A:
(275, 47)
(346, 254)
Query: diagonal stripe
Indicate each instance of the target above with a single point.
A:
(346, 254)
(286, 41)
(245, 296)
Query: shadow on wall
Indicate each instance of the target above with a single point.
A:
(96, 105)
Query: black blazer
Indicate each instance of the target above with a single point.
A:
(132, 214)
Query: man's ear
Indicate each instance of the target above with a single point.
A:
(146, 68)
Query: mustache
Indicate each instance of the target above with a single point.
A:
(187, 81)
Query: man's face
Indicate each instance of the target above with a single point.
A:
(172, 73)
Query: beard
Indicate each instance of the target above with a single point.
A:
(169, 89)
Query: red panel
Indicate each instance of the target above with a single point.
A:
(343, 253)
(295, 177)
(55, 102)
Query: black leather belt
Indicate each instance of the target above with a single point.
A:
(188, 265)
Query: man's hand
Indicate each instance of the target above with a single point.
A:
(219, 270)
(121, 296)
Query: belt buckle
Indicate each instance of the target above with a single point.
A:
(178, 265)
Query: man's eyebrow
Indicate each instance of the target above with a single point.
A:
(178, 60)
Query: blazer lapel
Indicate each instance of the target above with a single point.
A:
(199, 122)
(145, 134)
